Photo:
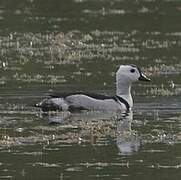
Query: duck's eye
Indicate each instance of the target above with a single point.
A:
(132, 70)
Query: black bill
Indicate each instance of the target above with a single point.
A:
(143, 77)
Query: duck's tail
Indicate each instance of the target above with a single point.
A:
(49, 105)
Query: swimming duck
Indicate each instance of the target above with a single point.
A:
(122, 101)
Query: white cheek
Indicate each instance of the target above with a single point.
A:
(135, 77)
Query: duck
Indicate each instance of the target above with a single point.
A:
(122, 101)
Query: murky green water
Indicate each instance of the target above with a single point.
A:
(68, 45)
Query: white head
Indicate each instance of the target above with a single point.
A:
(125, 76)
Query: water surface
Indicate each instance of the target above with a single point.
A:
(74, 45)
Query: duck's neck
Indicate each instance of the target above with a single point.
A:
(124, 90)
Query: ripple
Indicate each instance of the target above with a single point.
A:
(6, 177)
(158, 166)
(46, 165)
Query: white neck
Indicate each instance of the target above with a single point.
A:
(123, 89)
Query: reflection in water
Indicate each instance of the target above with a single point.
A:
(127, 140)
(100, 125)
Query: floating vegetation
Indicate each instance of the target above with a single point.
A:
(36, 58)
(50, 79)
(164, 90)
(163, 69)
(76, 46)
(41, 58)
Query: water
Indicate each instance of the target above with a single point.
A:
(73, 45)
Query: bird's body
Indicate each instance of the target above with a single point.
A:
(83, 101)
(122, 101)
